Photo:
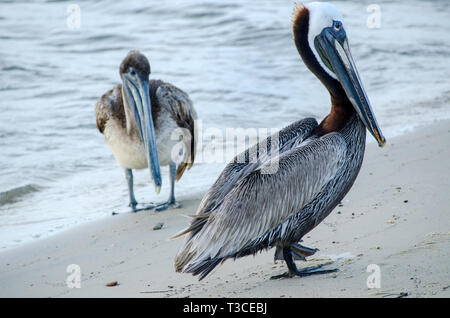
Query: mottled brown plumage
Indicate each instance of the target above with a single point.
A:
(137, 61)
(184, 117)
(170, 107)
(110, 106)
(116, 109)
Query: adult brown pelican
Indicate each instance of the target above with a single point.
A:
(139, 119)
(248, 210)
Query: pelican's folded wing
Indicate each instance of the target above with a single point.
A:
(238, 169)
(110, 104)
(182, 111)
(260, 202)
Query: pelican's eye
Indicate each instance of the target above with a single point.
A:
(132, 71)
(337, 25)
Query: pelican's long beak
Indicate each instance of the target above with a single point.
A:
(332, 46)
(137, 96)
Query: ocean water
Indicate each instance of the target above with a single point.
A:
(236, 59)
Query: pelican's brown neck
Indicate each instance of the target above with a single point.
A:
(340, 114)
(341, 107)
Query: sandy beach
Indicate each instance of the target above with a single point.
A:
(396, 216)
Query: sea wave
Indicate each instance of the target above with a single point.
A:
(17, 194)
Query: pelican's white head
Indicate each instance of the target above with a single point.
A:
(322, 15)
(322, 42)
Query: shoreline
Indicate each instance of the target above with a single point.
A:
(52, 230)
(395, 216)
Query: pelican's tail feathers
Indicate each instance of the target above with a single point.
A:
(203, 268)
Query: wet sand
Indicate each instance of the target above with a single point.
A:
(396, 216)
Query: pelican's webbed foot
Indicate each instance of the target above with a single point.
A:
(164, 206)
(145, 207)
(158, 207)
(135, 208)
(294, 271)
(305, 272)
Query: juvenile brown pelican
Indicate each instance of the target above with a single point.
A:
(246, 210)
(138, 118)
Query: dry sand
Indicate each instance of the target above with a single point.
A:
(397, 216)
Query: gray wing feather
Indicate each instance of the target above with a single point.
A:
(108, 106)
(295, 133)
(180, 106)
(260, 202)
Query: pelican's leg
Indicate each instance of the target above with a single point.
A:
(129, 177)
(133, 202)
(171, 201)
(294, 271)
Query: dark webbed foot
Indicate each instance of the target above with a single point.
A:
(305, 272)
(297, 251)
(166, 205)
(158, 207)
(135, 208)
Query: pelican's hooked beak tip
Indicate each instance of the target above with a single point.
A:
(158, 189)
(382, 143)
